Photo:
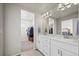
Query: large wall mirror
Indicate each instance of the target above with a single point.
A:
(70, 27)
(67, 27)
(51, 26)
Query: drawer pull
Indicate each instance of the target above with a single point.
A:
(58, 51)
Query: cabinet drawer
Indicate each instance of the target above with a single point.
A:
(66, 46)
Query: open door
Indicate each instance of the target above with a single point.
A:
(27, 30)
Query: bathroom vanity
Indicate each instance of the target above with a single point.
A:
(63, 39)
(56, 45)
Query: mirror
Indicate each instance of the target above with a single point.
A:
(46, 26)
(67, 27)
(51, 26)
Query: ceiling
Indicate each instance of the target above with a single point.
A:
(44, 7)
(66, 12)
(38, 7)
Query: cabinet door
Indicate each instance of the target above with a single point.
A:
(67, 53)
(40, 44)
(46, 46)
(55, 50)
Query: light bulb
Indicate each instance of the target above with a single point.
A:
(47, 13)
(62, 8)
(42, 15)
(50, 15)
(68, 6)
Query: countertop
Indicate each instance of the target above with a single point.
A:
(73, 41)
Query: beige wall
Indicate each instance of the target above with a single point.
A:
(36, 24)
(1, 29)
(12, 29)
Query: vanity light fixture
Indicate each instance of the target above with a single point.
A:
(42, 16)
(50, 15)
(46, 15)
(63, 6)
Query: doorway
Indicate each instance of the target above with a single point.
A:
(27, 30)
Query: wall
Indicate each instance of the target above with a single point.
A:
(12, 29)
(1, 29)
(36, 25)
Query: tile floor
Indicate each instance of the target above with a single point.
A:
(31, 52)
(27, 49)
(26, 45)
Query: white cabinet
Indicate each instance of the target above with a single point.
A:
(56, 47)
(44, 45)
(59, 48)
(40, 44)
(55, 51)
(66, 53)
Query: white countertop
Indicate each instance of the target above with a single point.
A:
(61, 38)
